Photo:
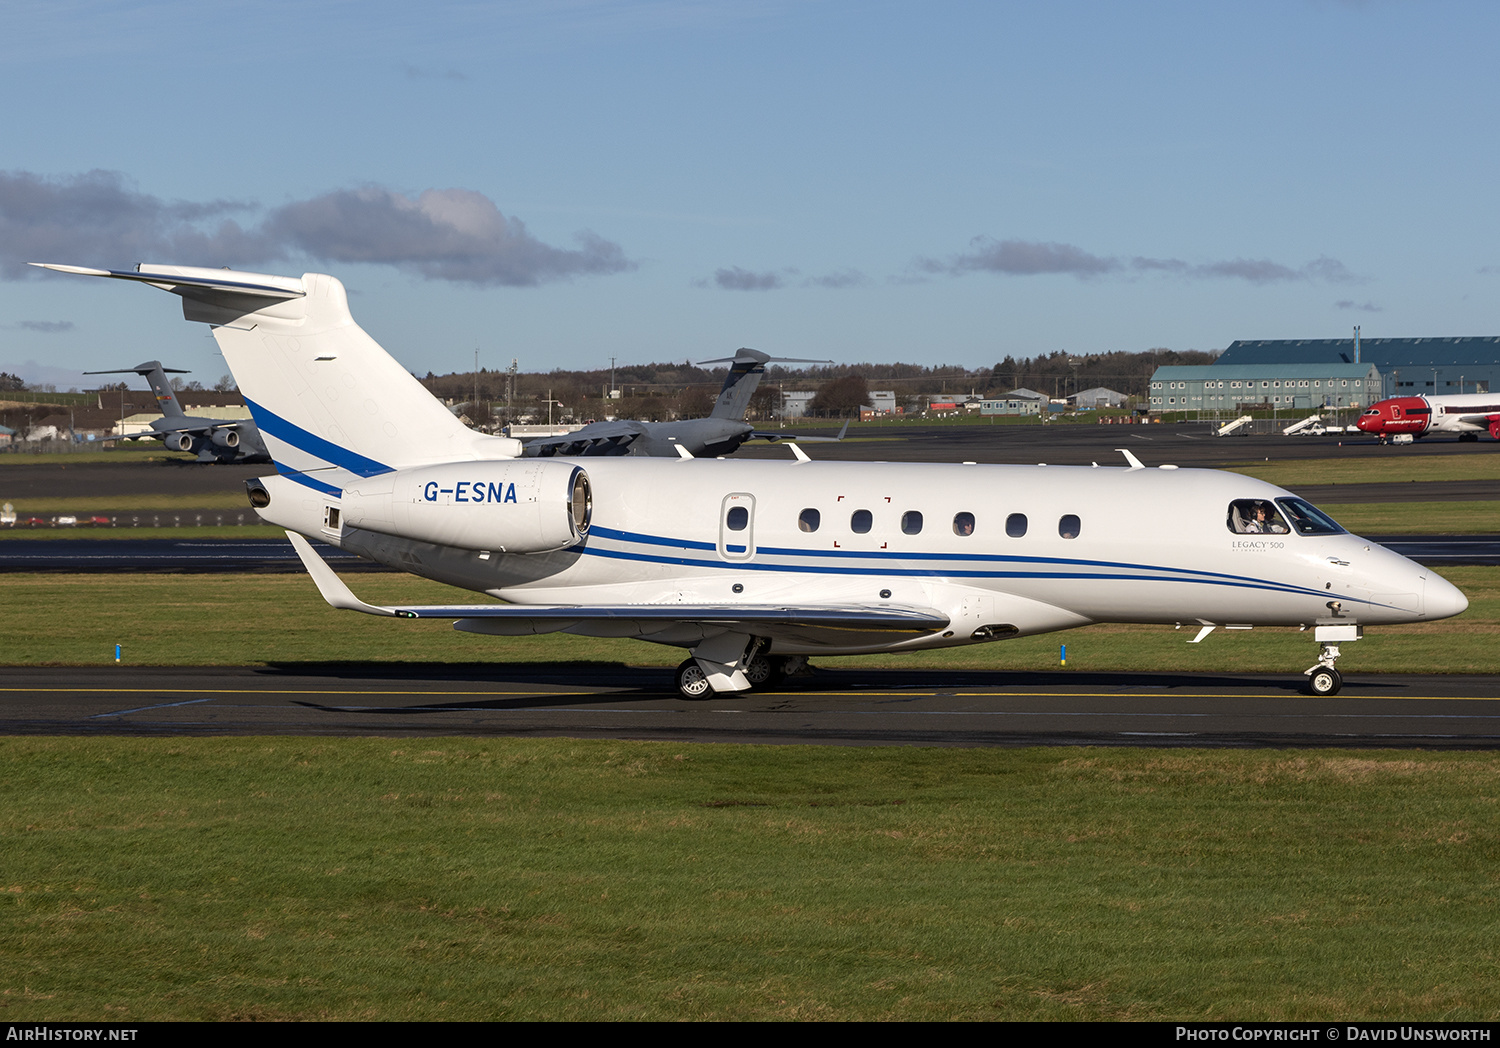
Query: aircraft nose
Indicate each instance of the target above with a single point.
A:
(1441, 599)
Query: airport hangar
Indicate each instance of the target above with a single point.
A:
(1316, 373)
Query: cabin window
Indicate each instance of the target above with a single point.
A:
(963, 524)
(860, 521)
(808, 520)
(1255, 517)
(1015, 525)
(1068, 526)
(911, 523)
(737, 518)
(1307, 519)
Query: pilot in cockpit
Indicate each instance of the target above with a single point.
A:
(1257, 518)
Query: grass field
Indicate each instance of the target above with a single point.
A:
(1473, 465)
(254, 619)
(523, 879)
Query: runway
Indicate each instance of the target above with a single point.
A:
(829, 707)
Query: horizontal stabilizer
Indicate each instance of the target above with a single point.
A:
(183, 278)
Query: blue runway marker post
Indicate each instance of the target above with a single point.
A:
(117, 653)
(1062, 655)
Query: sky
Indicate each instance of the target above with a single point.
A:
(655, 180)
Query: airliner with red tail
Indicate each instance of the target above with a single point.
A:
(1400, 420)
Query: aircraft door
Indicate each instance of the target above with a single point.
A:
(737, 527)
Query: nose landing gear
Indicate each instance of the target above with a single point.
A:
(1322, 677)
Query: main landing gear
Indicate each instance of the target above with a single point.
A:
(760, 670)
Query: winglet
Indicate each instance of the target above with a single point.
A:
(798, 453)
(1135, 463)
(329, 584)
(682, 452)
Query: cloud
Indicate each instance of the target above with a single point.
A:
(1365, 307)
(843, 278)
(47, 327)
(1034, 258)
(1022, 258)
(95, 216)
(736, 279)
(443, 234)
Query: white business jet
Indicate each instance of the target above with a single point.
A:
(754, 566)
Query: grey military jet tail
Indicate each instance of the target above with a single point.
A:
(214, 440)
(721, 433)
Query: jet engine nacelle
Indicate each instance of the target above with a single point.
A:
(227, 438)
(181, 442)
(511, 505)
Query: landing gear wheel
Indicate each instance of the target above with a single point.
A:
(692, 682)
(1324, 680)
(789, 666)
(761, 672)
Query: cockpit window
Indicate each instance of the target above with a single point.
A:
(809, 519)
(1307, 519)
(1256, 517)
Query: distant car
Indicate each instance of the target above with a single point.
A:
(98, 520)
(33, 522)
(67, 520)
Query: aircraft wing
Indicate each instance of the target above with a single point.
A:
(597, 438)
(1480, 420)
(636, 619)
(776, 435)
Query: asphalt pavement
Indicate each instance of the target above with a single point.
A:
(827, 707)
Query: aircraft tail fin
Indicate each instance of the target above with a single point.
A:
(745, 370)
(156, 377)
(325, 396)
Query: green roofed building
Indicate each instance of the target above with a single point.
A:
(1221, 387)
(1408, 366)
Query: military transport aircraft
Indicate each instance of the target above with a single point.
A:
(214, 439)
(753, 566)
(721, 433)
(1400, 420)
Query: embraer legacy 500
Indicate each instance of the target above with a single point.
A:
(1402, 419)
(754, 566)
